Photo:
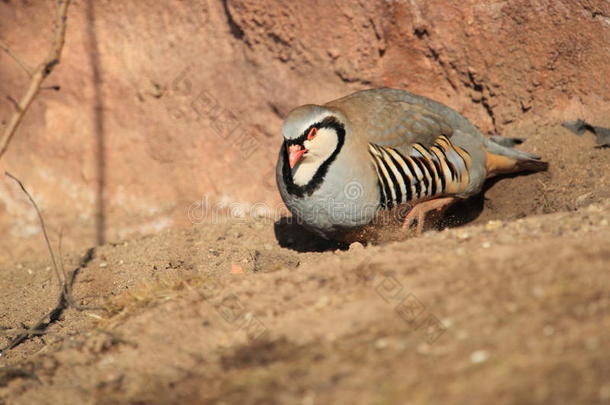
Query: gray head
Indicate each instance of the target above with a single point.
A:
(313, 136)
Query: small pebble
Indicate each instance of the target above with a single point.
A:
(356, 246)
(480, 356)
(491, 225)
(538, 292)
(121, 262)
(581, 199)
(381, 343)
(463, 236)
(604, 392)
(309, 399)
(236, 269)
(462, 335)
(486, 245)
(103, 264)
(322, 302)
(423, 348)
(548, 330)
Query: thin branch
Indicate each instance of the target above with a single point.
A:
(40, 73)
(29, 331)
(10, 373)
(54, 88)
(60, 254)
(61, 280)
(65, 281)
(9, 52)
(14, 102)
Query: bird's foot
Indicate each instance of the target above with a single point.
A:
(418, 213)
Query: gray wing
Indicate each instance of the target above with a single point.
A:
(398, 119)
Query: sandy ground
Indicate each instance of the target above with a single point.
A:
(512, 307)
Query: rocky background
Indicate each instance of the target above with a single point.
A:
(168, 106)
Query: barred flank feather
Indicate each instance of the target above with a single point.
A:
(441, 169)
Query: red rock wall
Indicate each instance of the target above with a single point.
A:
(165, 103)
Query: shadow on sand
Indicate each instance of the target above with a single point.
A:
(291, 235)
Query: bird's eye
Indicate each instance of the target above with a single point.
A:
(312, 134)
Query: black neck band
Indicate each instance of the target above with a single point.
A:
(318, 177)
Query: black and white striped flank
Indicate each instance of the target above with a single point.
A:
(426, 172)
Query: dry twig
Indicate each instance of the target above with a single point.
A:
(39, 74)
(60, 280)
(10, 53)
(64, 279)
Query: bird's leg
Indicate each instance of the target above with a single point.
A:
(420, 210)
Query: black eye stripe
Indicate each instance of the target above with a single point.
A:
(328, 122)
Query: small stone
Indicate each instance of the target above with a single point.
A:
(583, 198)
(121, 262)
(322, 302)
(604, 392)
(594, 208)
(268, 246)
(603, 222)
(381, 343)
(548, 331)
(463, 235)
(103, 264)
(423, 348)
(309, 399)
(486, 245)
(462, 335)
(356, 246)
(236, 269)
(492, 225)
(538, 292)
(479, 356)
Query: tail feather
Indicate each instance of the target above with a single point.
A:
(502, 158)
(506, 141)
(532, 165)
(500, 146)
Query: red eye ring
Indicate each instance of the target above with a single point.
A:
(312, 134)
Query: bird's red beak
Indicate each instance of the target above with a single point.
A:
(294, 154)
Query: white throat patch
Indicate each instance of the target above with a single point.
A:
(319, 150)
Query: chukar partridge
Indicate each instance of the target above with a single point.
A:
(344, 163)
